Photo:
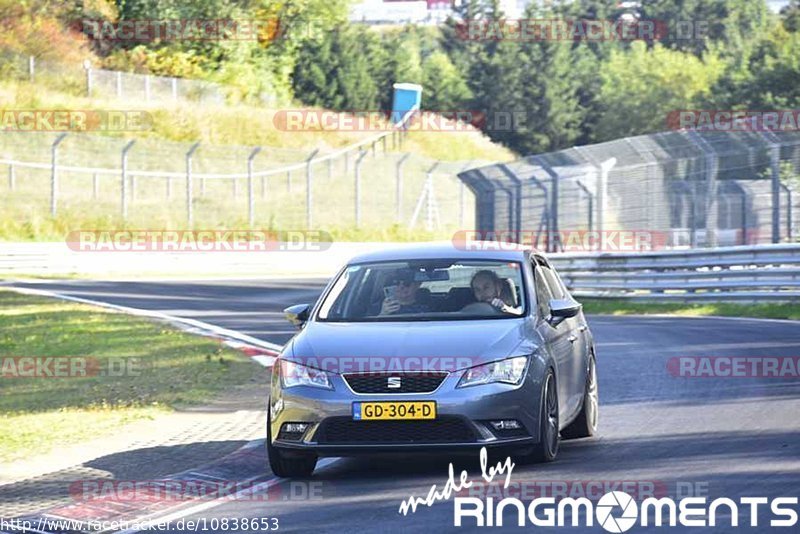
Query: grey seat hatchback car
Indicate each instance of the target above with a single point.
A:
(433, 348)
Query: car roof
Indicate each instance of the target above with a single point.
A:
(481, 250)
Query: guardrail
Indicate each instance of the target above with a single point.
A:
(754, 273)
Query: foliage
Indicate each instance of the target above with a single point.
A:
(642, 86)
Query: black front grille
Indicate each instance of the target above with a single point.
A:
(345, 431)
(419, 382)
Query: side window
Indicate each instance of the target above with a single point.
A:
(543, 293)
(554, 283)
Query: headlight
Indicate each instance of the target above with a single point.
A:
(509, 371)
(294, 374)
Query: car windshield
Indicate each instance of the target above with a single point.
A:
(426, 290)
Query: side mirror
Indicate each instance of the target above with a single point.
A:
(561, 309)
(297, 314)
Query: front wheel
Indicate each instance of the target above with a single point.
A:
(547, 448)
(291, 464)
(585, 425)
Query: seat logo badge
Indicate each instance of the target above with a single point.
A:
(393, 382)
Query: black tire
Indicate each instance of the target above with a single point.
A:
(291, 464)
(547, 448)
(585, 425)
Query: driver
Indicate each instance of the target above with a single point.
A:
(488, 288)
(406, 295)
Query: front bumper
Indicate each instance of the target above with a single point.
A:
(462, 422)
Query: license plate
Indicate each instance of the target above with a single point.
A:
(375, 411)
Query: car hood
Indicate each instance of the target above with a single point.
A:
(431, 346)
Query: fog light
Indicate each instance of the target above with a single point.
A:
(292, 431)
(506, 424)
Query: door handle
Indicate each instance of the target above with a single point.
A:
(572, 339)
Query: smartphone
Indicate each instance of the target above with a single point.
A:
(389, 292)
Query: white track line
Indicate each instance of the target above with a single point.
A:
(192, 325)
(174, 516)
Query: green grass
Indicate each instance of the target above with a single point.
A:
(224, 133)
(722, 309)
(172, 370)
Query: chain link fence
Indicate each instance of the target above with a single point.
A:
(146, 183)
(693, 188)
(101, 83)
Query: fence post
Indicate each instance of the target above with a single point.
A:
(427, 196)
(32, 69)
(175, 89)
(399, 187)
(712, 163)
(124, 178)
(461, 196)
(54, 174)
(788, 192)
(602, 185)
(87, 65)
(360, 158)
(309, 180)
(555, 243)
(12, 176)
(543, 222)
(189, 213)
(119, 84)
(590, 196)
(250, 192)
(775, 167)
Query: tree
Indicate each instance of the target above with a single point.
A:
(334, 72)
(642, 86)
(694, 25)
(444, 87)
(790, 14)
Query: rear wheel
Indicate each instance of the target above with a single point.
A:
(288, 464)
(585, 425)
(547, 448)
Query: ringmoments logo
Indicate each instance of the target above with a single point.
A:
(618, 511)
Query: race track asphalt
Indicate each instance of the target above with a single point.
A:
(675, 436)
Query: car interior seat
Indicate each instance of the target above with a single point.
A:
(508, 292)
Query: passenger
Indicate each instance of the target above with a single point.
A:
(488, 288)
(406, 294)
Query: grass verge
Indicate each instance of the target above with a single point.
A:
(722, 309)
(156, 369)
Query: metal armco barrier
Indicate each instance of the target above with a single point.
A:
(749, 273)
